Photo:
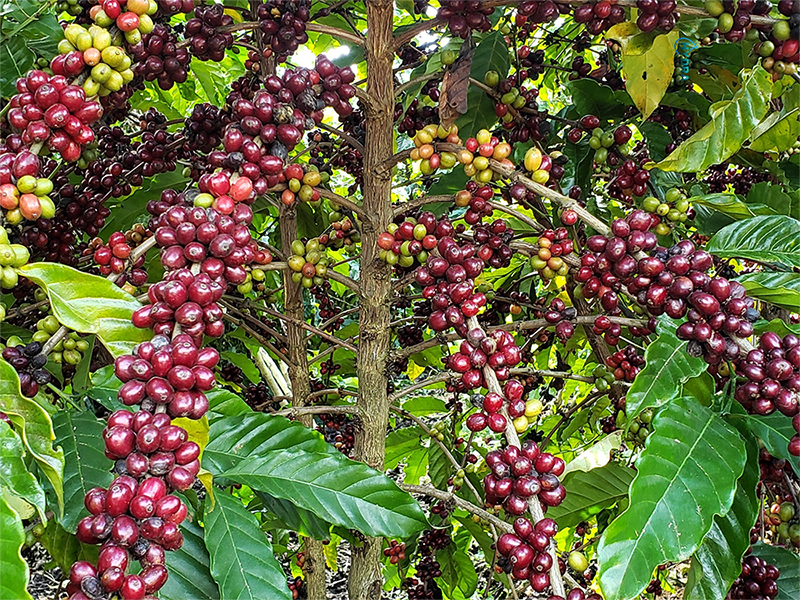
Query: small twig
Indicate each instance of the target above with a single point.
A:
(458, 501)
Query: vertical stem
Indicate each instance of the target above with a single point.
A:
(314, 566)
(365, 581)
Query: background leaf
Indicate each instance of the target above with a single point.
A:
(80, 434)
(14, 474)
(189, 574)
(780, 289)
(774, 430)
(241, 559)
(65, 548)
(589, 492)
(686, 474)
(763, 239)
(14, 580)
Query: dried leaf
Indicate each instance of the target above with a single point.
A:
(455, 83)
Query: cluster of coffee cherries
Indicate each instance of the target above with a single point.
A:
(734, 17)
(410, 241)
(674, 208)
(422, 586)
(464, 16)
(48, 109)
(479, 150)
(159, 58)
(656, 15)
(758, 580)
(493, 240)
(328, 309)
(283, 24)
(538, 165)
(522, 412)
(525, 552)
(498, 351)
(29, 362)
(68, 351)
(173, 374)
(24, 195)
(301, 182)
(475, 198)
(553, 244)
(781, 516)
(12, 256)
(109, 66)
(560, 315)
(625, 363)
(773, 380)
(780, 50)
(308, 262)
(425, 151)
(599, 16)
(629, 179)
(396, 551)
(206, 40)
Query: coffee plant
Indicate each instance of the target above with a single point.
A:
(429, 299)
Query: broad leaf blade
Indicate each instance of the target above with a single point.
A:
(14, 580)
(774, 430)
(34, 426)
(64, 547)
(763, 239)
(729, 128)
(789, 565)
(718, 560)
(14, 475)
(667, 366)
(241, 556)
(780, 289)
(335, 488)
(297, 519)
(648, 74)
(89, 304)
(85, 463)
(589, 492)
(686, 474)
(189, 574)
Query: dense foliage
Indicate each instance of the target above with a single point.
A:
(449, 299)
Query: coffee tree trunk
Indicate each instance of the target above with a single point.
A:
(314, 566)
(375, 291)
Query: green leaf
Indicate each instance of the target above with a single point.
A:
(789, 565)
(104, 387)
(34, 426)
(762, 239)
(89, 304)
(244, 363)
(491, 54)
(335, 488)
(14, 474)
(64, 547)
(667, 365)
(686, 474)
(718, 560)
(648, 74)
(459, 578)
(590, 97)
(780, 289)
(779, 130)
(774, 430)
(14, 581)
(400, 443)
(234, 439)
(80, 434)
(727, 204)
(17, 60)
(589, 492)
(241, 556)
(440, 469)
(422, 406)
(730, 126)
(189, 574)
(773, 196)
(297, 519)
(224, 403)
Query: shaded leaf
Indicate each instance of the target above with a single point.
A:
(14, 580)
(241, 559)
(297, 519)
(459, 578)
(335, 488)
(686, 474)
(14, 474)
(589, 492)
(89, 304)
(189, 574)
(401, 443)
(80, 434)
(64, 547)
(774, 430)
(763, 239)
(732, 122)
(727, 204)
(780, 289)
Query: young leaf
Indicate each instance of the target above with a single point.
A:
(686, 474)
(14, 582)
(89, 304)
(589, 492)
(667, 365)
(339, 490)
(85, 463)
(14, 475)
(718, 560)
(189, 574)
(241, 558)
(723, 136)
(763, 239)
(34, 426)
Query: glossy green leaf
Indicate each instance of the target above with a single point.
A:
(17, 59)
(14, 474)
(686, 474)
(667, 365)
(589, 492)
(590, 97)
(297, 519)
(718, 560)
(727, 204)
(224, 403)
(459, 577)
(490, 54)
(241, 559)
(730, 126)
(80, 434)
(774, 430)
(333, 487)
(34, 426)
(89, 304)
(440, 469)
(15, 573)
(189, 574)
(104, 387)
(400, 443)
(234, 439)
(64, 547)
(773, 196)
(780, 289)
(763, 239)
(789, 565)
(648, 72)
